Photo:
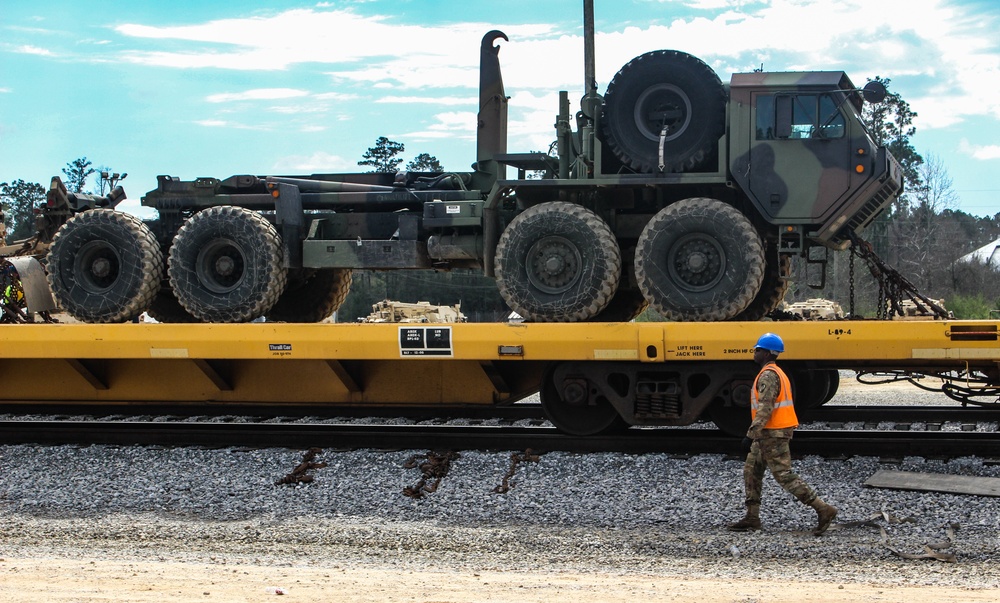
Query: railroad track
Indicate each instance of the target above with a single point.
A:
(821, 442)
(868, 414)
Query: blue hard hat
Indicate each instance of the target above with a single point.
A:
(771, 342)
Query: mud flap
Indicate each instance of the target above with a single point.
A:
(34, 283)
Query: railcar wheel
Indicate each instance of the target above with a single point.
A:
(731, 420)
(311, 295)
(834, 385)
(557, 262)
(810, 388)
(664, 89)
(574, 409)
(699, 259)
(104, 266)
(226, 265)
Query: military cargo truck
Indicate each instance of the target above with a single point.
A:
(671, 189)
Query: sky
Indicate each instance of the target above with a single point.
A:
(222, 87)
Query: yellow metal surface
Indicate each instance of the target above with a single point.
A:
(874, 340)
(392, 363)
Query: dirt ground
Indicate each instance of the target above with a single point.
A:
(80, 581)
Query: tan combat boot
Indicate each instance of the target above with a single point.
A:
(825, 513)
(750, 521)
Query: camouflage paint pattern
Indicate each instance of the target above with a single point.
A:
(813, 162)
(773, 453)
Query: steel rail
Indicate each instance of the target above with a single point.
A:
(514, 412)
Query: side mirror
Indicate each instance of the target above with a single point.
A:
(874, 92)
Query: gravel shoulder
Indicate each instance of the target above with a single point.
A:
(105, 523)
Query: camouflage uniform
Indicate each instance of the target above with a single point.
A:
(770, 449)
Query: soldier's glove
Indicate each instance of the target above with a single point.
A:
(746, 444)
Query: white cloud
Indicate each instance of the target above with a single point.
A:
(221, 123)
(941, 61)
(981, 152)
(336, 96)
(212, 123)
(5, 90)
(303, 35)
(429, 100)
(318, 162)
(29, 49)
(256, 94)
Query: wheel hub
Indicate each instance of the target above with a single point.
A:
(224, 266)
(554, 264)
(575, 393)
(696, 262)
(97, 266)
(662, 106)
(101, 268)
(220, 266)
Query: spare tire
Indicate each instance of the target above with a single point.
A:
(664, 88)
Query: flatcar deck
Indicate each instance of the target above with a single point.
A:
(427, 363)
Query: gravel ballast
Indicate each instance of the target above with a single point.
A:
(618, 513)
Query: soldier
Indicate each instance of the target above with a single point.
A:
(773, 422)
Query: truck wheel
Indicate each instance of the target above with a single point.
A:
(772, 288)
(699, 259)
(311, 295)
(226, 265)
(165, 307)
(664, 88)
(628, 301)
(623, 307)
(104, 266)
(568, 407)
(557, 262)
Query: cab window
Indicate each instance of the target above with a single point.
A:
(798, 116)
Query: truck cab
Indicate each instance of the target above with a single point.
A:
(801, 153)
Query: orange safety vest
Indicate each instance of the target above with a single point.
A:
(783, 415)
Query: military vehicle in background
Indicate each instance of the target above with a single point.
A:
(913, 309)
(815, 309)
(422, 312)
(674, 190)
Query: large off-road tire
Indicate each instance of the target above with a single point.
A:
(226, 265)
(104, 266)
(628, 301)
(699, 259)
(166, 308)
(772, 288)
(557, 262)
(664, 88)
(311, 295)
(623, 307)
